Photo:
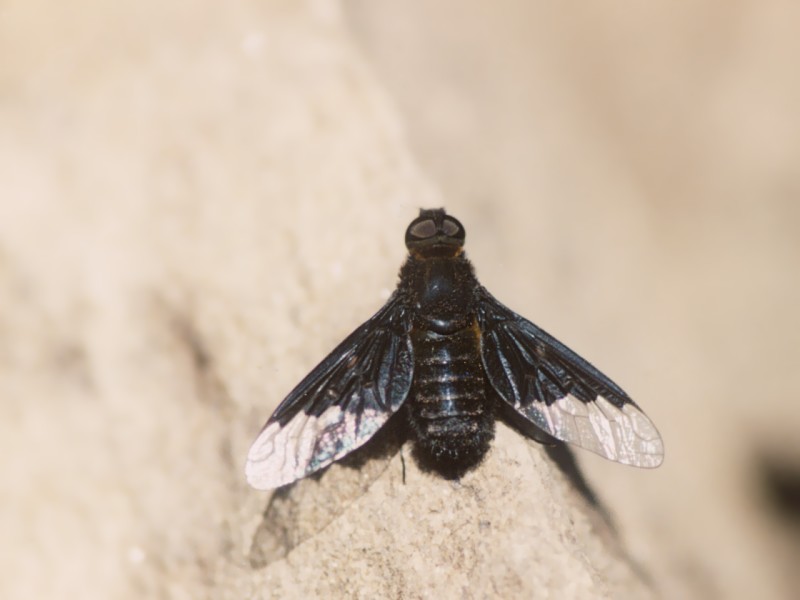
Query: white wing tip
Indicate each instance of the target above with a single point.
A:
(263, 468)
(622, 434)
(285, 453)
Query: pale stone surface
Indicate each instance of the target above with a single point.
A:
(198, 200)
(513, 528)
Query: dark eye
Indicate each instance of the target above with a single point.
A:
(423, 229)
(450, 228)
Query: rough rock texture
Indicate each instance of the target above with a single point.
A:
(198, 200)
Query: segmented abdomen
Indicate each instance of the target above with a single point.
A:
(448, 406)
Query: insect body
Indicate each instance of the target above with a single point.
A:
(450, 412)
(444, 355)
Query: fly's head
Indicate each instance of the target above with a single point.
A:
(434, 234)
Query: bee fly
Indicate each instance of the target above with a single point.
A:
(446, 356)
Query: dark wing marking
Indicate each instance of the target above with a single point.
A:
(340, 404)
(560, 392)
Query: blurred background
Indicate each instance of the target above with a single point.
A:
(193, 184)
(639, 166)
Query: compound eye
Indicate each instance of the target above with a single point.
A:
(423, 230)
(450, 228)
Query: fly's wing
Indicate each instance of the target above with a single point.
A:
(340, 404)
(560, 392)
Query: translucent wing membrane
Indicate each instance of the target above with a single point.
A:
(560, 392)
(340, 404)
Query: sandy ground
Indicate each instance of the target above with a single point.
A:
(198, 200)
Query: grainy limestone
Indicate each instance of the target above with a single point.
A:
(198, 200)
